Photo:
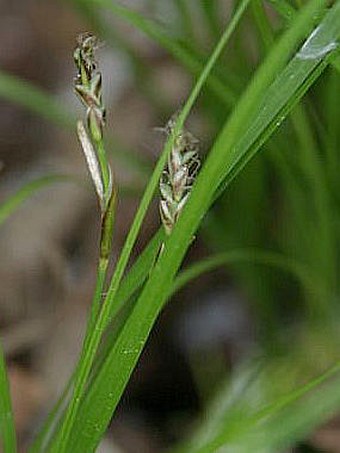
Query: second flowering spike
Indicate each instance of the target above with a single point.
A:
(178, 176)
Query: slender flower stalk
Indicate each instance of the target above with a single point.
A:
(178, 177)
(88, 86)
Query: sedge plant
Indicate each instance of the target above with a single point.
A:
(126, 305)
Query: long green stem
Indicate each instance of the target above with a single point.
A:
(88, 87)
(98, 292)
(81, 374)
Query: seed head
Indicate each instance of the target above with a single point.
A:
(88, 86)
(84, 58)
(178, 176)
(88, 83)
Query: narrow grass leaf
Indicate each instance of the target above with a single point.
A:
(299, 420)
(277, 425)
(7, 428)
(27, 95)
(255, 256)
(25, 192)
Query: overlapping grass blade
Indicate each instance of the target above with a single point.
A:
(226, 155)
(141, 268)
(7, 428)
(138, 273)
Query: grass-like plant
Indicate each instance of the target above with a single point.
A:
(292, 59)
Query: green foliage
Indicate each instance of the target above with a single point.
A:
(231, 206)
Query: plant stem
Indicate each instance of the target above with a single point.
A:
(82, 372)
(84, 365)
(98, 292)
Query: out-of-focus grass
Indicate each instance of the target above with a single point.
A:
(25, 192)
(7, 428)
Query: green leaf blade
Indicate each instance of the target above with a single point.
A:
(7, 428)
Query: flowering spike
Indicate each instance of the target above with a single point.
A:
(178, 177)
(88, 86)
